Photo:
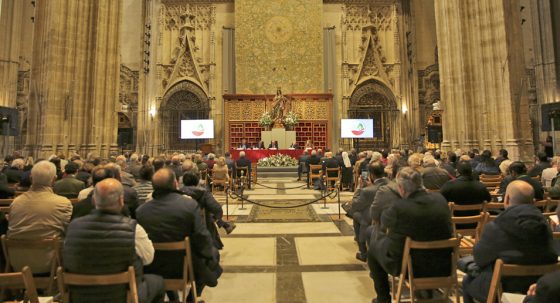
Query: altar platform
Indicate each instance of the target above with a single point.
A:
(255, 154)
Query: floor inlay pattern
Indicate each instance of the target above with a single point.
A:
(293, 255)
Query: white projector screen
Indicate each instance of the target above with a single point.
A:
(356, 128)
(197, 129)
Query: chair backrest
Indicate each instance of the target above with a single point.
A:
(494, 206)
(474, 231)
(494, 178)
(444, 282)
(332, 171)
(510, 270)
(6, 202)
(68, 279)
(315, 169)
(187, 283)
(21, 280)
(542, 204)
(244, 169)
(457, 207)
(54, 244)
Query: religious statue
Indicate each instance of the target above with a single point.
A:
(279, 109)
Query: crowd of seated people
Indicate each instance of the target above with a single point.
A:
(407, 194)
(397, 194)
(138, 200)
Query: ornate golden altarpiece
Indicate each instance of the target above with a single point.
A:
(242, 113)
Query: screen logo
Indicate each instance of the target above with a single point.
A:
(359, 129)
(199, 131)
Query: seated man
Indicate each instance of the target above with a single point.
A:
(85, 206)
(243, 162)
(465, 190)
(38, 214)
(518, 171)
(519, 235)
(361, 206)
(69, 186)
(420, 215)
(212, 209)
(171, 216)
(106, 242)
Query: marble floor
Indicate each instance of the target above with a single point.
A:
(291, 255)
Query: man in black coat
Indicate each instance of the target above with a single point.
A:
(361, 206)
(171, 216)
(420, 215)
(106, 242)
(540, 166)
(518, 171)
(302, 164)
(243, 162)
(212, 209)
(519, 235)
(465, 190)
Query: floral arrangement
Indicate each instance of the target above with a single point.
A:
(278, 160)
(291, 119)
(266, 119)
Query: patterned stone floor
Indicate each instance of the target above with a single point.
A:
(295, 255)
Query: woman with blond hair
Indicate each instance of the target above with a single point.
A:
(220, 170)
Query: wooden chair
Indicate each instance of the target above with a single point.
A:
(315, 172)
(332, 182)
(473, 233)
(494, 207)
(6, 202)
(68, 279)
(491, 185)
(187, 283)
(510, 270)
(542, 204)
(493, 178)
(53, 244)
(241, 178)
(556, 235)
(472, 207)
(218, 180)
(21, 280)
(407, 279)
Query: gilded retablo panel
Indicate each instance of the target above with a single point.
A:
(278, 43)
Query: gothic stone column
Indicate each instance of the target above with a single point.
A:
(74, 77)
(481, 74)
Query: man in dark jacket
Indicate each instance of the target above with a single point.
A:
(420, 215)
(302, 164)
(519, 235)
(518, 171)
(212, 209)
(465, 190)
(243, 162)
(69, 186)
(106, 242)
(540, 166)
(361, 206)
(171, 216)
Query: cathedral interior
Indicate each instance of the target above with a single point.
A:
(107, 76)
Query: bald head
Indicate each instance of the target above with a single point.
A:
(164, 179)
(519, 192)
(108, 195)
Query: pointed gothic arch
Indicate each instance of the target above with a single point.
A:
(183, 101)
(374, 100)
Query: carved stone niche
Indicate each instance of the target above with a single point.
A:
(128, 88)
(428, 90)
